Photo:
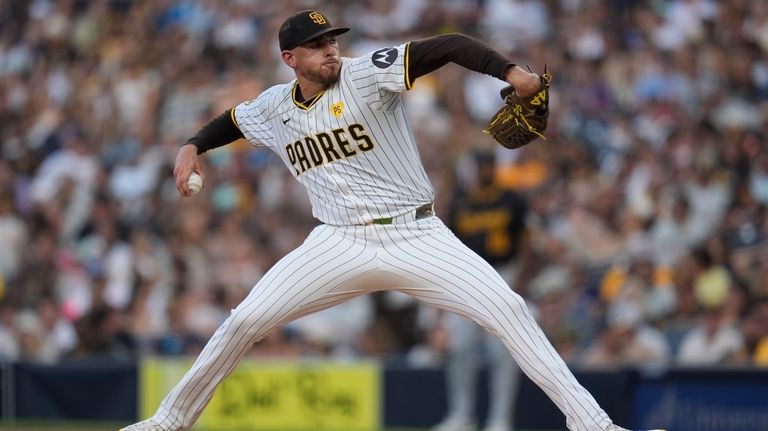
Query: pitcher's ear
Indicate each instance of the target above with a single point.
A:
(289, 58)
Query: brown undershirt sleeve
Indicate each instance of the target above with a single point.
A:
(427, 55)
(220, 131)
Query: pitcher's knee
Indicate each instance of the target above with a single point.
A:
(514, 303)
(511, 308)
(248, 324)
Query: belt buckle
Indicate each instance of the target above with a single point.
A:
(424, 211)
(385, 220)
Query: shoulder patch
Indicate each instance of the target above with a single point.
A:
(384, 57)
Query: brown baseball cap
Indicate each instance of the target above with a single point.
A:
(304, 26)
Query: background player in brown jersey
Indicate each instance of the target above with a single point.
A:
(490, 220)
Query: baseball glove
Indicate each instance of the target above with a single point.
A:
(522, 119)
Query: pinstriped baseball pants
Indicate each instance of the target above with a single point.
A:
(426, 261)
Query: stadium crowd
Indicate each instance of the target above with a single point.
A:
(647, 230)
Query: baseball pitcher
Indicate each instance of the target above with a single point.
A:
(341, 129)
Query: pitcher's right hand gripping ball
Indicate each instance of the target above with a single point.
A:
(522, 119)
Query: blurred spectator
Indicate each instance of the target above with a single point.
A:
(13, 237)
(650, 190)
(754, 327)
(336, 331)
(103, 332)
(554, 304)
(177, 340)
(59, 336)
(712, 282)
(712, 341)
(30, 335)
(626, 341)
(9, 345)
(642, 286)
(758, 181)
(512, 24)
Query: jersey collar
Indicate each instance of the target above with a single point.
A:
(305, 105)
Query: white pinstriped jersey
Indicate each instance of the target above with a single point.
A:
(351, 145)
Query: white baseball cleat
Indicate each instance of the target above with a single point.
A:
(145, 425)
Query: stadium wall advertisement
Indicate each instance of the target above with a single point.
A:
(278, 396)
(690, 400)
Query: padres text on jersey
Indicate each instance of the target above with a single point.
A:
(327, 147)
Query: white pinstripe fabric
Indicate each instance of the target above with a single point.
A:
(435, 267)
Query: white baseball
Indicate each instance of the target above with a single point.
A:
(195, 183)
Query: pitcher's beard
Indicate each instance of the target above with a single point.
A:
(324, 79)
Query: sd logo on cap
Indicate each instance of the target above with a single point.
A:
(304, 26)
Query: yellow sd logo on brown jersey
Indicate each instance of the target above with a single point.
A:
(326, 147)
